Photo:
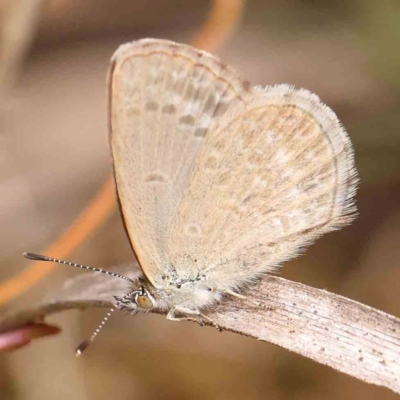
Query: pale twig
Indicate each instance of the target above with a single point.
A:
(346, 335)
(20, 20)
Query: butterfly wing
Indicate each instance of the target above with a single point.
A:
(163, 97)
(273, 175)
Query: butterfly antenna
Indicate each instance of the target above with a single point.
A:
(39, 257)
(85, 344)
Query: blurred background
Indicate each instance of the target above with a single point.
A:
(54, 157)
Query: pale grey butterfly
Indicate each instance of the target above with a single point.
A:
(219, 182)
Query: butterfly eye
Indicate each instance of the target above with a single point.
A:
(144, 302)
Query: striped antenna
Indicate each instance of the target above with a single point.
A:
(39, 257)
(84, 345)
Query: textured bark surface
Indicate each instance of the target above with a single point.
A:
(348, 336)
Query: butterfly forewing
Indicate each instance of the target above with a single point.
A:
(274, 174)
(164, 97)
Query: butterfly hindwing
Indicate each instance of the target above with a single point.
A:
(274, 174)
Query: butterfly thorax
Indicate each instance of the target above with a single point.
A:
(174, 291)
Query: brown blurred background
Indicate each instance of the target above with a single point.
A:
(54, 157)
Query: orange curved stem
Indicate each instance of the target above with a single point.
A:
(90, 219)
(220, 25)
(223, 18)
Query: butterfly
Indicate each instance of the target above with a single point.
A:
(218, 182)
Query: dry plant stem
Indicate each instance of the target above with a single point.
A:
(18, 27)
(91, 218)
(348, 336)
(223, 19)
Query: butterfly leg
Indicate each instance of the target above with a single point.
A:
(190, 314)
(240, 296)
(171, 317)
